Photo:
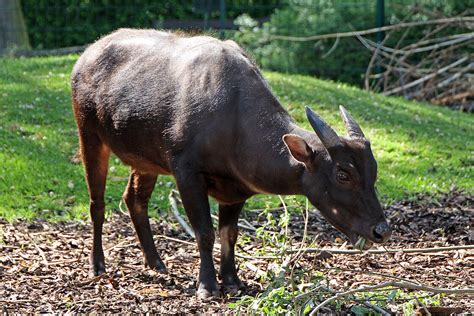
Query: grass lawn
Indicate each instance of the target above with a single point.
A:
(419, 147)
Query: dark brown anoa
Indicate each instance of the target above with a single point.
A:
(198, 109)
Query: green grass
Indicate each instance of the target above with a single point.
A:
(419, 147)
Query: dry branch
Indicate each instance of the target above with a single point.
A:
(175, 211)
(40, 251)
(429, 68)
(372, 30)
(451, 42)
(401, 285)
(427, 77)
(381, 251)
(240, 225)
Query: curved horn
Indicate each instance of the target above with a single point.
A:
(353, 129)
(325, 133)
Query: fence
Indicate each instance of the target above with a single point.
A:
(54, 24)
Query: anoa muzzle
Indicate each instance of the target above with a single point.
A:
(340, 179)
(199, 109)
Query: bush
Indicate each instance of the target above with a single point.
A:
(345, 59)
(62, 23)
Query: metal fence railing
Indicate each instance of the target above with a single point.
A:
(52, 24)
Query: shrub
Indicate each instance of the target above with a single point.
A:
(344, 59)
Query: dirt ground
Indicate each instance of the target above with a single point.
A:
(44, 266)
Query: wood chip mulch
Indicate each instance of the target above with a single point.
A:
(44, 266)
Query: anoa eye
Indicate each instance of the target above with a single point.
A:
(342, 176)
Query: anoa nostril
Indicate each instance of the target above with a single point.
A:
(382, 232)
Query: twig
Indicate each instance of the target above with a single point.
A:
(331, 49)
(93, 280)
(372, 30)
(435, 40)
(181, 221)
(280, 208)
(374, 273)
(121, 244)
(427, 77)
(381, 251)
(120, 207)
(256, 257)
(423, 306)
(8, 247)
(353, 298)
(365, 302)
(402, 285)
(421, 49)
(283, 267)
(216, 246)
(65, 261)
(455, 76)
(177, 240)
(376, 52)
(16, 301)
(259, 273)
(41, 252)
(252, 229)
(249, 225)
(372, 61)
(84, 301)
(286, 214)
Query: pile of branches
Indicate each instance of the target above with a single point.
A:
(437, 67)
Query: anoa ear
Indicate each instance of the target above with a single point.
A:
(298, 148)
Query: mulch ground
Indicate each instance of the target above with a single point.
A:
(44, 266)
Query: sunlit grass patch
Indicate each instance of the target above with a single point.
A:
(419, 147)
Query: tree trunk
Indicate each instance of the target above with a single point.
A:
(13, 34)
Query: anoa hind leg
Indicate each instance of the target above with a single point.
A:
(136, 196)
(95, 157)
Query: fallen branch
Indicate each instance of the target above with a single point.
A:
(258, 272)
(427, 77)
(65, 261)
(353, 298)
(121, 244)
(372, 30)
(216, 247)
(93, 280)
(381, 251)
(329, 52)
(456, 97)
(252, 229)
(364, 302)
(175, 211)
(455, 76)
(373, 273)
(8, 247)
(280, 208)
(402, 285)
(457, 40)
(40, 251)
(177, 240)
(16, 301)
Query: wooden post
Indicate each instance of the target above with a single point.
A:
(379, 22)
(13, 33)
(222, 19)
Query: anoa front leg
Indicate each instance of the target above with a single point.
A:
(193, 190)
(228, 232)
